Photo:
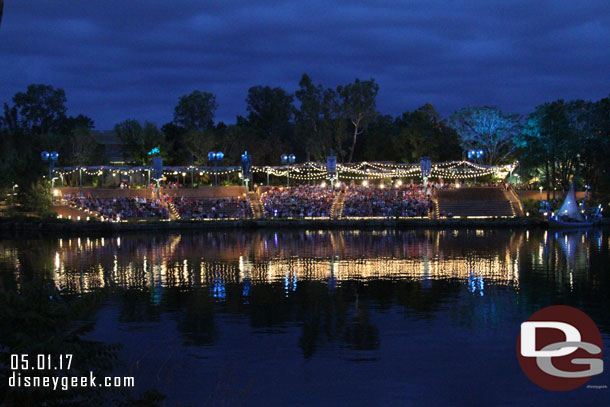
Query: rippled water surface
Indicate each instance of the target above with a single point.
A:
(427, 317)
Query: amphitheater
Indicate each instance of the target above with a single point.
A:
(236, 202)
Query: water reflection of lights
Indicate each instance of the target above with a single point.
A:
(244, 278)
(216, 260)
(218, 290)
(476, 283)
(290, 282)
(288, 271)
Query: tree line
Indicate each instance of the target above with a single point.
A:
(558, 141)
(344, 120)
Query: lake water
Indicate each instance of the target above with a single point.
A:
(356, 318)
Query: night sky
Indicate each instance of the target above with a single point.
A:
(120, 59)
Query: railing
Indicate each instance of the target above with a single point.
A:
(337, 207)
(516, 198)
(173, 211)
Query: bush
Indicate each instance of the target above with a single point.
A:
(532, 206)
(37, 199)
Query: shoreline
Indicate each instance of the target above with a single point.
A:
(52, 226)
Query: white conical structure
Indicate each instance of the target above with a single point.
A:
(570, 207)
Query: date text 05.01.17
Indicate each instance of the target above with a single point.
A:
(41, 362)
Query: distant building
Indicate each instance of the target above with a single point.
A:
(113, 147)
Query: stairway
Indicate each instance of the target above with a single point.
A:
(515, 201)
(336, 210)
(476, 202)
(74, 213)
(256, 204)
(173, 212)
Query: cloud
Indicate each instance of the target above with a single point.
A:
(119, 59)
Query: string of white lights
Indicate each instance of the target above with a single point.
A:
(317, 171)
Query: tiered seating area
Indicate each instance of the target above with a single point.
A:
(375, 201)
(121, 208)
(297, 202)
(222, 208)
(477, 201)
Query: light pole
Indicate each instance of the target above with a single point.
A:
(478, 154)
(426, 167)
(157, 166)
(215, 158)
(288, 159)
(246, 168)
(540, 188)
(50, 158)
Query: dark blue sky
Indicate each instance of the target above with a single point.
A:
(121, 59)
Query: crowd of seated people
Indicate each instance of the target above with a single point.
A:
(121, 208)
(388, 201)
(297, 202)
(224, 208)
(409, 200)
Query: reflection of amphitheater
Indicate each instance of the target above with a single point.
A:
(83, 264)
(496, 270)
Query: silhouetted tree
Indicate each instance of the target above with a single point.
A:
(195, 111)
(138, 140)
(269, 125)
(358, 106)
(486, 128)
(423, 133)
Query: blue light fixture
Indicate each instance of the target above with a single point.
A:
(215, 158)
(154, 151)
(475, 154)
(50, 158)
(288, 159)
